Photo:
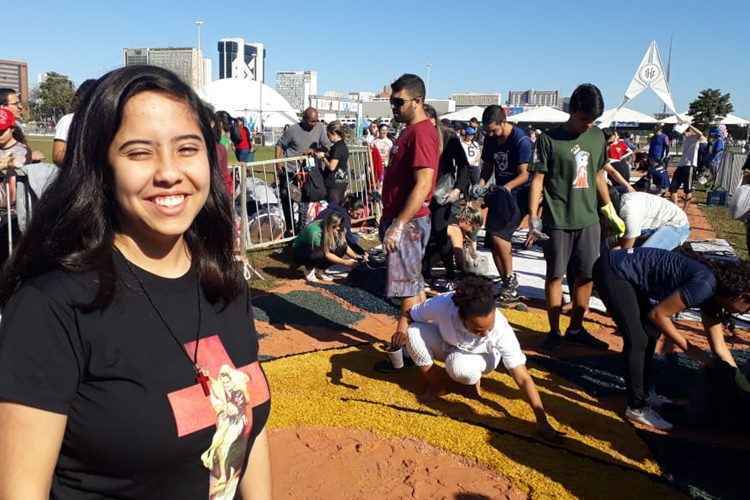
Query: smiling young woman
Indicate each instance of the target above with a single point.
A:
(124, 315)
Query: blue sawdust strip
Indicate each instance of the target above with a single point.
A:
(304, 309)
(362, 299)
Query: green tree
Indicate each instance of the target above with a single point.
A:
(53, 97)
(710, 107)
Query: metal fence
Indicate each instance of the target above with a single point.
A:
(729, 174)
(268, 210)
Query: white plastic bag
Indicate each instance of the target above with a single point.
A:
(739, 204)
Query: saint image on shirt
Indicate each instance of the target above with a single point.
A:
(582, 170)
(501, 161)
(225, 457)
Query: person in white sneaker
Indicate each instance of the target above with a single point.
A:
(629, 281)
(321, 244)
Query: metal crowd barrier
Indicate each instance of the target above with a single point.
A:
(729, 174)
(261, 197)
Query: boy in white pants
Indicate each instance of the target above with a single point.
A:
(464, 329)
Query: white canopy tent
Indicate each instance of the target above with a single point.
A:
(464, 115)
(247, 99)
(730, 119)
(541, 114)
(622, 114)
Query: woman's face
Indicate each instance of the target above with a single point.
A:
(736, 305)
(160, 167)
(480, 325)
(333, 137)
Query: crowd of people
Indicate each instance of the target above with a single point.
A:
(124, 311)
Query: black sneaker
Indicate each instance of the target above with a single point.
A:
(585, 338)
(552, 340)
(509, 291)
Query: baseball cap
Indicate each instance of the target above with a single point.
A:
(7, 119)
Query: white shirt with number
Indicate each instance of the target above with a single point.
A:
(473, 152)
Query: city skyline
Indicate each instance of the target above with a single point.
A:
(466, 52)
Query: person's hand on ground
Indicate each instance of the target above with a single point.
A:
(615, 222)
(548, 433)
(393, 236)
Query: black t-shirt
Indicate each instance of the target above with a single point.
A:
(139, 426)
(339, 151)
(506, 157)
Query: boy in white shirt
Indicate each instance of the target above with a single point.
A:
(464, 329)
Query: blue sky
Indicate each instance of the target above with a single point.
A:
(472, 46)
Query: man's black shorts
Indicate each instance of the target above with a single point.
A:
(504, 214)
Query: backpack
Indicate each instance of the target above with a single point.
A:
(313, 186)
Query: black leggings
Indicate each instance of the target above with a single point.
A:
(629, 308)
(310, 257)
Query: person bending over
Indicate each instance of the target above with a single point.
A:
(464, 329)
(462, 238)
(321, 244)
(629, 281)
(661, 222)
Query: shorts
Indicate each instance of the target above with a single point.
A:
(504, 215)
(579, 247)
(682, 177)
(405, 265)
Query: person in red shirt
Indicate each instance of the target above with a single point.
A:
(244, 147)
(618, 169)
(407, 191)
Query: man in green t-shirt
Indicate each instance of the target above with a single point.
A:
(567, 176)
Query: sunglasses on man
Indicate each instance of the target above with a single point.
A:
(398, 102)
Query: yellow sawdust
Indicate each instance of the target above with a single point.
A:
(341, 389)
(538, 323)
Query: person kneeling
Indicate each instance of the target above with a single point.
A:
(464, 329)
(322, 244)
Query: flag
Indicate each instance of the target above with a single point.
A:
(650, 75)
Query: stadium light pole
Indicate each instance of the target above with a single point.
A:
(427, 85)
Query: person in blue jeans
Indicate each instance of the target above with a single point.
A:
(658, 154)
(661, 222)
(630, 281)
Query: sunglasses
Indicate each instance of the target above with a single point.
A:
(397, 102)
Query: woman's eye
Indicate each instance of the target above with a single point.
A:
(138, 155)
(188, 150)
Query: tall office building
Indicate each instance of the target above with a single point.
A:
(238, 59)
(518, 98)
(297, 87)
(185, 62)
(15, 75)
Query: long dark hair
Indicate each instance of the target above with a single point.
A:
(75, 221)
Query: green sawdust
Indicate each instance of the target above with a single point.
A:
(601, 456)
(303, 308)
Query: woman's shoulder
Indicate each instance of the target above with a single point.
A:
(63, 287)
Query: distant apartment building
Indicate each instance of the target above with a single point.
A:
(238, 59)
(518, 98)
(15, 75)
(297, 87)
(381, 107)
(186, 62)
(468, 99)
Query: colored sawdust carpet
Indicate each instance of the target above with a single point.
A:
(601, 456)
(304, 308)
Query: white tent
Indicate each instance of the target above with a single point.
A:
(247, 98)
(623, 115)
(541, 114)
(672, 120)
(464, 115)
(730, 119)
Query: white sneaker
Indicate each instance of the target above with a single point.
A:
(648, 416)
(311, 275)
(655, 400)
(323, 276)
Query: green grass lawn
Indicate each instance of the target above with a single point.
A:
(726, 228)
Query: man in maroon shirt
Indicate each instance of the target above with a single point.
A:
(407, 191)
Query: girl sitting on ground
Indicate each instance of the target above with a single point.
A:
(322, 244)
(629, 280)
(464, 329)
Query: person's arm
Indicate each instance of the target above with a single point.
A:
(524, 381)
(602, 190)
(485, 173)
(256, 483)
(618, 178)
(279, 152)
(58, 152)
(422, 188)
(457, 243)
(535, 202)
(661, 316)
(714, 329)
(30, 441)
(520, 179)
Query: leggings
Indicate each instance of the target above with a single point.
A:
(310, 257)
(629, 308)
(425, 344)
